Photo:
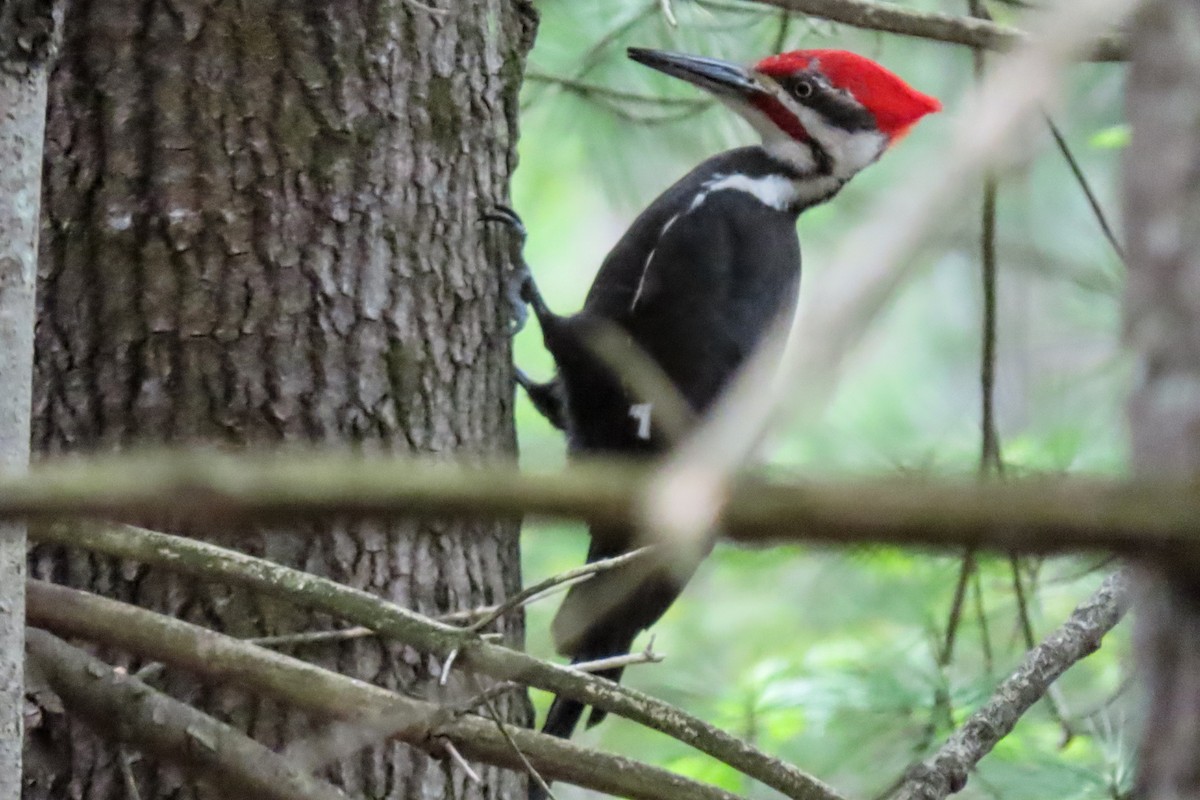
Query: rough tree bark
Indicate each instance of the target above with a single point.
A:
(1162, 196)
(262, 226)
(26, 44)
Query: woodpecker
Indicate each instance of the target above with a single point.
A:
(695, 283)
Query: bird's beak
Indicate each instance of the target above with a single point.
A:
(719, 77)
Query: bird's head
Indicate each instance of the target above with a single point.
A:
(826, 111)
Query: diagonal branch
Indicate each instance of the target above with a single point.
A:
(946, 771)
(950, 28)
(122, 706)
(375, 713)
(361, 608)
(571, 576)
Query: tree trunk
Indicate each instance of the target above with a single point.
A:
(1162, 199)
(262, 227)
(26, 44)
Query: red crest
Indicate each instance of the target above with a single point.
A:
(895, 105)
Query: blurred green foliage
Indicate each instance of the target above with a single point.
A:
(829, 658)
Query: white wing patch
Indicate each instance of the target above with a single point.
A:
(779, 192)
(641, 413)
(774, 191)
(637, 294)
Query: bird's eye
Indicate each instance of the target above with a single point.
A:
(802, 89)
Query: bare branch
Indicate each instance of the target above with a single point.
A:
(950, 28)
(575, 575)
(1040, 514)
(647, 656)
(946, 771)
(1085, 185)
(371, 713)
(119, 705)
(362, 608)
(311, 637)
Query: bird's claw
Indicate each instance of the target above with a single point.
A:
(520, 291)
(515, 292)
(507, 216)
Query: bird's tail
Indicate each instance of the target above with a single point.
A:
(565, 713)
(600, 617)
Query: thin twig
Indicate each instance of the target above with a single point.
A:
(781, 33)
(991, 460)
(941, 698)
(457, 758)
(594, 54)
(646, 656)
(946, 771)
(503, 728)
(1086, 186)
(447, 665)
(894, 18)
(475, 701)
(311, 637)
(965, 571)
(668, 13)
(466, 615)
(985, 636)
(592, 90)
(570, 576)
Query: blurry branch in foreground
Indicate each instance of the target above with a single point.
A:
(358, 607)
(370, 713)
(946, 771)
(684, 501)
(950, 28)
(1040, 514)
(121, 706)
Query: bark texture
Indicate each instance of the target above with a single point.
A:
(26, 44)
(262, 227)
(1162, 190)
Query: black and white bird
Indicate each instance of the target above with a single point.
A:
(695, 283)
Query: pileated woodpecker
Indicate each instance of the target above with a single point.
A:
(695, 283)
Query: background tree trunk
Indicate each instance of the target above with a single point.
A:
(262, 227)
(26, 45)
(1162, 198)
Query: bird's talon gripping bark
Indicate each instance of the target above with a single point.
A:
(506, 216)
(516, 291)
(517, 304)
